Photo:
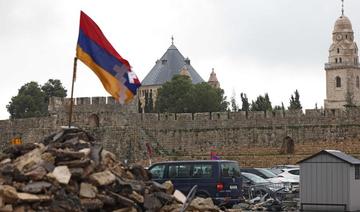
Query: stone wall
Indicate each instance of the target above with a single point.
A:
(252, 138)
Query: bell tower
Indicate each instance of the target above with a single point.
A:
(342, 68)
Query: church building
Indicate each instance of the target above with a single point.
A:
(170, 64)
(342, 69)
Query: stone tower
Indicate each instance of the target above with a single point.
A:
(213, 81)
(342, 69)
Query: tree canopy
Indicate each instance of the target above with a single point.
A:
(245, 102)
(295, 101)
(262, 103)
(180, 96)
(32, 99)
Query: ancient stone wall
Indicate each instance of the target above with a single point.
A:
(253, 138)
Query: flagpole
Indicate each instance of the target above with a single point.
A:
(72, 91)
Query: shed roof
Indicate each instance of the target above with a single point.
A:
(335, 153)
(169, 65)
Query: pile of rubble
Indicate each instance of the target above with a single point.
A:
(68, 171)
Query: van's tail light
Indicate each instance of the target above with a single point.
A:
(219, 186)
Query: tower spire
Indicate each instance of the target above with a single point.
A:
(342, 7)
(172, 40)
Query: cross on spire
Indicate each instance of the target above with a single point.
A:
(172, 40)
(342, 7)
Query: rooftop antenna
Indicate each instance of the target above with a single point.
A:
(342, 7)
(172, 40)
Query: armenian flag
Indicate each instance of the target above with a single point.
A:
(115, 73)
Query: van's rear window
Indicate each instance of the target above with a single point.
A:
(230, 170)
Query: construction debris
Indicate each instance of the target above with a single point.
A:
(68, 171)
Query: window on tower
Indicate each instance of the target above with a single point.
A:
(338, 50)
(338, 82)
(335, 60)
(340, 60)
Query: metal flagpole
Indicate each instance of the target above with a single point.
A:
(72, 91)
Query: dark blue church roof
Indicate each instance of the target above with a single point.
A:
(169, 65)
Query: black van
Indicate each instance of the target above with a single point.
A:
(218, 179)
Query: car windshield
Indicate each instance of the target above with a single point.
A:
(267, 173)
(275, 171)
(254, 178)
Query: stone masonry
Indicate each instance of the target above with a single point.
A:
(253, 138)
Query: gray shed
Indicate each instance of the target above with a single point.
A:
(330, 181)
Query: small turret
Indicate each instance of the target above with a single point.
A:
(213, 81)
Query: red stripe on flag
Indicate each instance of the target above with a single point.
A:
(92, 30)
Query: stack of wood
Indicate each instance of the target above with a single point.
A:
(68, 171)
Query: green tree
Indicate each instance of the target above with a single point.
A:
(262, 103)
(180, 96)
(32, 99)
(295, 101)
(245, 102)
(30, 102)
(53, 87)
(233, 104)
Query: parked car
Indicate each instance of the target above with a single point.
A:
(289, 183)
(264, 173)
(218, 179)
(293, 173)
(256, 186)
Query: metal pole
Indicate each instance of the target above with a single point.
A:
(72, 91)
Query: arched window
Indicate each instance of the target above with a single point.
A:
(338, 50)
(335, 60)
(357, 82)
(338, 81)
(340, 60)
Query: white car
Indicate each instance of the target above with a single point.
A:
(291, 177)
(292, 174)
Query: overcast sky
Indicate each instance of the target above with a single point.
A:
(255, 46)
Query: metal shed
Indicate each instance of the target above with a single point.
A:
(330, 181)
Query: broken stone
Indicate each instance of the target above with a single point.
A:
(103, 178)
(63, 155)
(61, 174)
(76, 172)
(9, 193)
(26, 197)
(48, 157)
(7, 208)
(87, 190)
(123, 200)
(137, 197)
(202, 204)
(95, 153)
(152, 203)
(92, 204)
(37, 173)
(139, 173)
(75, 163)
(86, 151)
(29, 159)
(7, 160)
(107, 200)
(169, 187)
(179, 196)
(164, 197)
(36, 187)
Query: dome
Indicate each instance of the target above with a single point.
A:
(343, 24)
